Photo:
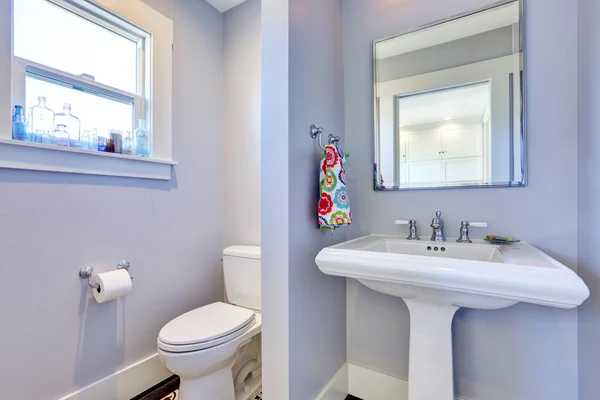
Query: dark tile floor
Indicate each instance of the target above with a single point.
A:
(169, 390)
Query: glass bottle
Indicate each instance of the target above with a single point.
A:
(19, 132)
(101, 143)
(37, 136)
(85, 141)
(47, 137)
(142, 140)
(117, 137)
(94, 145)
(71, 123)
(61, 136)
(127, 144)
(41, 118)
(110, 145)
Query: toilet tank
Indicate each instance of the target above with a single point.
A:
(241, 268)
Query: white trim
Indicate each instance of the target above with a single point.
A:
(16, 154)
(365, 384)
(337, 388)
(126, 383)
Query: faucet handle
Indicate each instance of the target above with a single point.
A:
(478, 224)
(464, 230)
(412, 228)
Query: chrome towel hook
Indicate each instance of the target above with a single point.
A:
(318, 133)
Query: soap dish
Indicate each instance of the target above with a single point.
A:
(501, 239)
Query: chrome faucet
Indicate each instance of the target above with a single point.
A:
(464, 230)
(412, 228)
(438, 228)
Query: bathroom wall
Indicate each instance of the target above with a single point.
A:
(241, 124)
(523, 352)
(589, 196)
(308, 341)
(53, 339)
(317, 301)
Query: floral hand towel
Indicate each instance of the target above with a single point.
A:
(334, 207)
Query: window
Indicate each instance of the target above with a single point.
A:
(111, 61)
(74, 55)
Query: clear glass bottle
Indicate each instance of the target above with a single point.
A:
(71, 123)
(94, 145)
(41, 118)
(47, 137)
(127, 144)
(142, 140)
(85, 141)
(61, 136)
(116, 136)
(37, 136)
(19, 132)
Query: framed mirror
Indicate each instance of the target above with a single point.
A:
(449, 103)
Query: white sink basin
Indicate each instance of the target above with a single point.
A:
(436, 279)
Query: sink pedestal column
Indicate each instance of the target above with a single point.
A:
(430, 375)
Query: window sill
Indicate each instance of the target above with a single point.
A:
(16, 154)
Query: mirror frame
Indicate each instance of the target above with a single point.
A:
(523, 136)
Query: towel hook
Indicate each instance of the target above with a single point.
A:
(318, 133)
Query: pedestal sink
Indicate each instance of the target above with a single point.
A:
(436, 279)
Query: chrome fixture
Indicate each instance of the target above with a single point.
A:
(412, 228)
(464, 230)
(88, 273)
(438, 228)
(318, 132)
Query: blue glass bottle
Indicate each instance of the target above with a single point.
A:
(19, 132)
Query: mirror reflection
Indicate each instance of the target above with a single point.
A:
(449, 103)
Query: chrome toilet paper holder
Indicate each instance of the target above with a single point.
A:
(88, 273)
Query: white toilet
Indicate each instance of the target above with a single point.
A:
(216, 349)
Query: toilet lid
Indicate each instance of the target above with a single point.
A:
(206, 327)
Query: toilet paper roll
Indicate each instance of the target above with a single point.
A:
(113, 284)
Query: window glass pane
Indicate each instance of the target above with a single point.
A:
(51, 35)
(92, 110)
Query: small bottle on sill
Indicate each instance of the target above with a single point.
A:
(47, 137)
(19, 132)
(142, 140)
(85, 141)
(110, 145)
(71, 123)
(61, 136)
(127, 144)
(94, 145)
(101, 143)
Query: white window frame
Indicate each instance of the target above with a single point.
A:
(153, 33)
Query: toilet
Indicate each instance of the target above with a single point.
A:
(216, 349)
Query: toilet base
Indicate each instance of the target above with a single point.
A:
(215, 386)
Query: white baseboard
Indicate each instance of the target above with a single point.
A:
(365, 384)
(337, 388)
(126, 383)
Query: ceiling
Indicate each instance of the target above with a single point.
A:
(470, 101)
(224, 5)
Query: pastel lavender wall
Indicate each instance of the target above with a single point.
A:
(523, 352)
(317, 301)
(304, 326)
(53, 338)
(589, 196)
(241, 124)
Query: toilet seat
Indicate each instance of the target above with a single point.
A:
(205, 327)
